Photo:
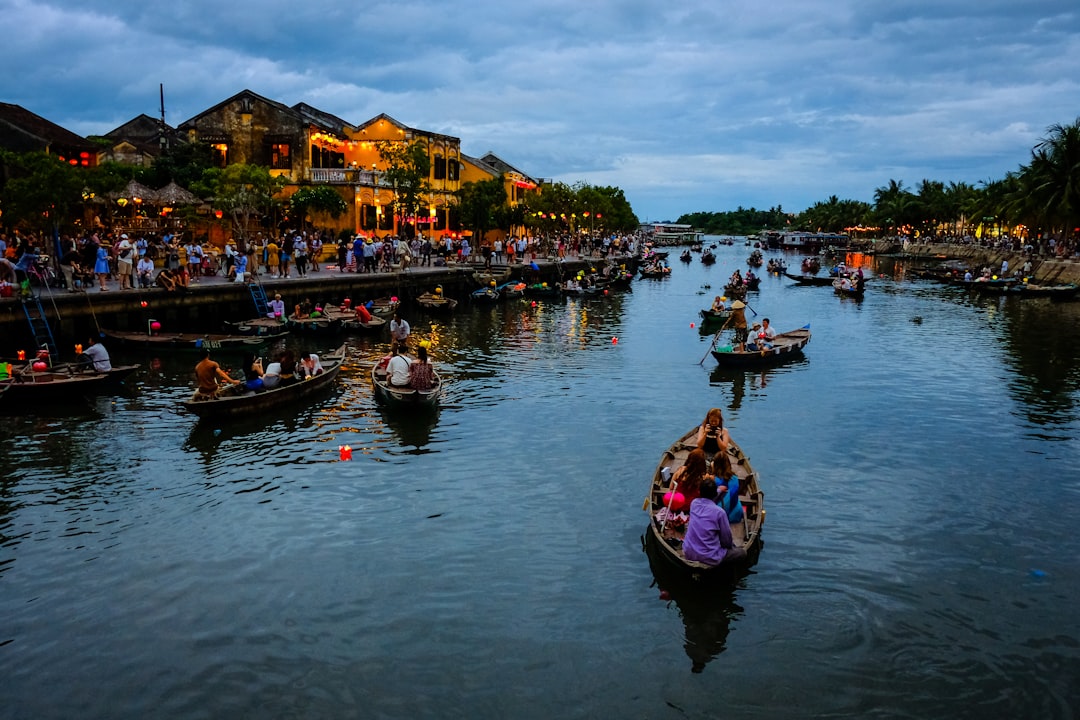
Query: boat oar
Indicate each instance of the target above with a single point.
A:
(712, 343)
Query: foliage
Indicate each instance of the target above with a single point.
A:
(561, 207)
(245, 192)
(38, 190)
(182, 163)
(479, 204)
(407, 170)
(317, 199)
(742, 221)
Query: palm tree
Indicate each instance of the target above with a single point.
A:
(1054, 175)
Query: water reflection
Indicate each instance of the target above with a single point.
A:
(412, 428)
(706, 610)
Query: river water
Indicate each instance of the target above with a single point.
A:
(922, 475)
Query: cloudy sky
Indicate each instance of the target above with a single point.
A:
(686, 105)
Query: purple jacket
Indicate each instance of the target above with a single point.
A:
(708, 534)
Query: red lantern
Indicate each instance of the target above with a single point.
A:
(155, 326)
(40, 366)
(22, 355)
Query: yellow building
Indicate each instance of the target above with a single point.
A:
(312, 147)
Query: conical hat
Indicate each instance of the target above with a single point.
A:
(737, 305)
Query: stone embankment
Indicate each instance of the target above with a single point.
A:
(1045, 270)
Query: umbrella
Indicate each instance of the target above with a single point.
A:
(173, 194)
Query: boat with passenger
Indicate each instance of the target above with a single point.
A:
(669, 518)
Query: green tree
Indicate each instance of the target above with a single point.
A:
(317, 199)
(479, 204)
(247, 193)
(1053, 176)
(38, 191)
(408, 168)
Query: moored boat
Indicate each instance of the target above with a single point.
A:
(784, 347)
(238, 403)
(436, 301)
(667, 529)
(185, 341)
(47, 386)
(262, 326)
(1065, 291)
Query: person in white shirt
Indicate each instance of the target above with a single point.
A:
(399, 331)
(98, 355)
(145, 271)
(397, 370)
(277, 308)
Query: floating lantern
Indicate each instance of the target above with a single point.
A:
(78, 349)
(614, 341)
(345, 452)
(691, 326)
(534, 303)
(22, 354)
(144, 303)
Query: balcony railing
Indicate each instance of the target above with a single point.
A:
(343, 176)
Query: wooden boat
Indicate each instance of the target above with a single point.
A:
(735, 291)
(321, 323)
(655, 271)
(665, 537)
(61, 382)
(755, 259)
(186, 341)
(784, 347)
(852, 291)
(485, 295)
(811, 265)
(262, 326)
(776, 266)
(686, 256)
(239, 403)
(810, 280)
(1066, 291)
(707, 257)
(384, 307)
(486, 278)
(436, 302)
(541, 289)
(403, 397)
(512, 289)
(350, 321)
(990, 286)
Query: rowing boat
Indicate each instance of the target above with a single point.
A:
(665, 535)
(784, 347)
(186, 341)
(809, 279)
(239, 402)
(403, 397)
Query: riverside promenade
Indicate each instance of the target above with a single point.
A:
(212, 300)
(1045, 270)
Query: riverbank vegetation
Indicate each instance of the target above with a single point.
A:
(1040, 197)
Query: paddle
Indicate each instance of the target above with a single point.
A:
(712, 343)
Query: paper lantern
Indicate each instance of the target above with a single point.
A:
(155, 326)
(345, 452)
(347, 302)
(22, 354)
(78, 349)
(40, 366)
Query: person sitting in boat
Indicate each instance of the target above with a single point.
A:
(727, 487)
(845, 283)
(277, 307)
(708, 533)
(253, 372)
(310, 365)
(397, 370)
(363, 314)
(860, 281)
(207, 374)
(272, 376)
(421, 372)
(736, 279)
(755, 341)
(718, 304)
(768, 332)
(288, 369)
(686, 482)
(713, 437)
(98, 355)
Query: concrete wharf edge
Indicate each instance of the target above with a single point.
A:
(214, 299)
